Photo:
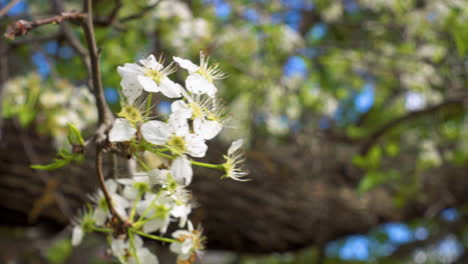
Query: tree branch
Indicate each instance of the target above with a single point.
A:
(105, 116)
(22, 27)
(376, 135)
(8, 7)
(140, 13)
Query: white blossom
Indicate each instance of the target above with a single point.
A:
(234, 161)
(200, 79)
(151, 77)
(206, 113)
(189, 245)
(175, 134)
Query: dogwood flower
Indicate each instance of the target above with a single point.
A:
(200, 79)
(234, 160)
(189, 245)
(151, 77)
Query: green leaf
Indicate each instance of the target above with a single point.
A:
(74, 136)
(64, 157)
(370, 180)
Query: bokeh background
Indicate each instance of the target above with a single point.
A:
(354, 112)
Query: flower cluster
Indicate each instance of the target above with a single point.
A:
(154, 197)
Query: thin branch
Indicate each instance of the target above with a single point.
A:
(376, 135)
(112, 17)
(74, 42)
(139, 14)
(104, 188)
(105, 117)
(8, 7)
(22, 27)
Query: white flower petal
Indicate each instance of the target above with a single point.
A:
(235, 146)
(186, 64)
(196, 146)
(160, 224)
(131, 89)
(148, 84)
(178, 124)
(100, 216)
(118, 247)
(156, 132)
(169, 88)
(122, 130)
(181, 170)
(129, 70)
(151, 63)
(77, 235)
(130, 192)
(198, 84)
(145, 256)
(182, 109)
(208, 129)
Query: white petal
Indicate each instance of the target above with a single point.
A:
(138, 241)
(181, 108)
(151, 63)
(208, 129)
(100, 216)
(186, 64)
(111, 185)
(148, 84)
(131, 89)
(129, 70)
(118, 247)
(182, 212)
(145, 256)
(196, 146)
(130, 192)
(130, 181)
(235, 146)
(158, 176)
(178, 124)
(169, 88)
(198, 84)
(122, 130)
(156, 224)
(77, 235)
(156, 132)
(181, 170)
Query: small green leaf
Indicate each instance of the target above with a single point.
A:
(64, 157)
(74, 135)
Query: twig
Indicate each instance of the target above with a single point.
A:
(74, 42)
(104, 188)
(8, 7)
(22, 27)
(105, 117)
(112, 17)
(375, 136)
(140, 13)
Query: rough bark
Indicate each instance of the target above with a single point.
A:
(297, 197)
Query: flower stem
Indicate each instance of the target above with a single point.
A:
(163, 239)
(149, 101)
(208, 165)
